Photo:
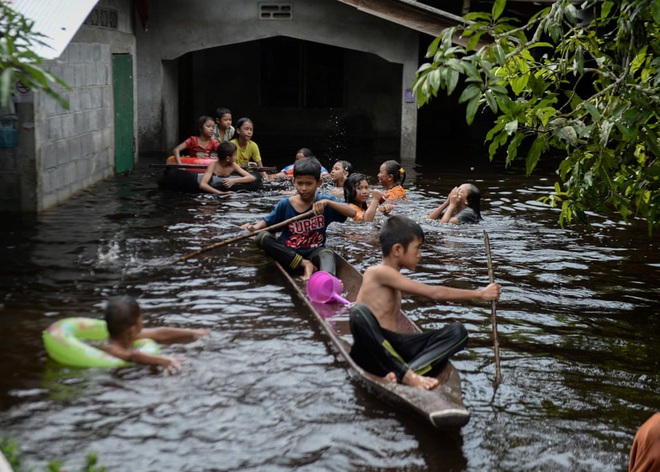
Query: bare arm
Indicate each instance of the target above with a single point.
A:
(170, 365)
(165, 335)
(342, 208)
(435, 214)
(245, 177)
(452, 203)
(393, 278)
(370, 212)
(177, 152)
(206, 178)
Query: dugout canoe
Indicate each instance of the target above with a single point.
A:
(442, 407)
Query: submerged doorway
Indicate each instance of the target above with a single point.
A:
(339, 102)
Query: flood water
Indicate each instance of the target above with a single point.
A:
(578, 324)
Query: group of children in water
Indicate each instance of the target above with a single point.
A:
(236, 150)
(300, 246)
(378, 347)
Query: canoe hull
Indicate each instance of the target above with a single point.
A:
(442, 407)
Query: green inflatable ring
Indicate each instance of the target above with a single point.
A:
(64, 342)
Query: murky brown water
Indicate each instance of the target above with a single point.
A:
(579, 328)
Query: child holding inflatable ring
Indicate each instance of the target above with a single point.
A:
(124, 318)
(202, 145)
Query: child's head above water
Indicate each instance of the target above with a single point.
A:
(473, 198)
(223, 117)
(121, 314)
(391, 170)
(226, 149)
(340, 172)
(399, 230)
(307, 166)
(245, 128)
(352, 186)
(204, 123)
(304, 152)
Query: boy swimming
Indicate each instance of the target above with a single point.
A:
(124, 318)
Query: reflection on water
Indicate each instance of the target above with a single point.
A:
(578, 327)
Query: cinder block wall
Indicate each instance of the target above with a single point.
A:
(75, 147)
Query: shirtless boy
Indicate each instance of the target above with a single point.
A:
(124, 318)
(378, 347)
(216, 172)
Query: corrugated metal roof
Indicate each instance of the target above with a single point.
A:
(58, 20)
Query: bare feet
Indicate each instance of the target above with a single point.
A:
(419, 381)
(308, 269)
(391, 377)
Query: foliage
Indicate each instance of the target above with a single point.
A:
(18, 62)
(12, 453)
(580, 79)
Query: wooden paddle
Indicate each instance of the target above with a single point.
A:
(496, 344)
(202, 166)
(243, 236)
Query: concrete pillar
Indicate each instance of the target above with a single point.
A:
(408, 113)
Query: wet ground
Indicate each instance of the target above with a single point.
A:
(579, 329)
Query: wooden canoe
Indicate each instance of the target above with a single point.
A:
(442, 407)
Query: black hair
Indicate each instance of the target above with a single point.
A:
(226, 149)
(474, 200)
(398, 229)
(306, 152)
(348, 167)
(242, 121)
(200, 122)
(307, 166)
(121, 313)
(351, 185)
(395, 169)
(221, 111)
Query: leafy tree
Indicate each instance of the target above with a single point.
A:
(578, 80)
(18, 62)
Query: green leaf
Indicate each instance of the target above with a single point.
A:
(6, 85)
(655, 11)
(471, 111)
(499, 54)
(433, 47)
(452, 81)
(519, 84)
(538, 147)
(473, 41)
(434, 79)
(605, 9)
(498, 8)
(491, 100)
(593, 111)
(469, 93)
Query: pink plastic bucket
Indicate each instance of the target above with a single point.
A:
(323, 287)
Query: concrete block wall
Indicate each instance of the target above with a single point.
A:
(75, 147)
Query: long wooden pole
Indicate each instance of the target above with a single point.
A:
(243, 236)
(493, 317)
